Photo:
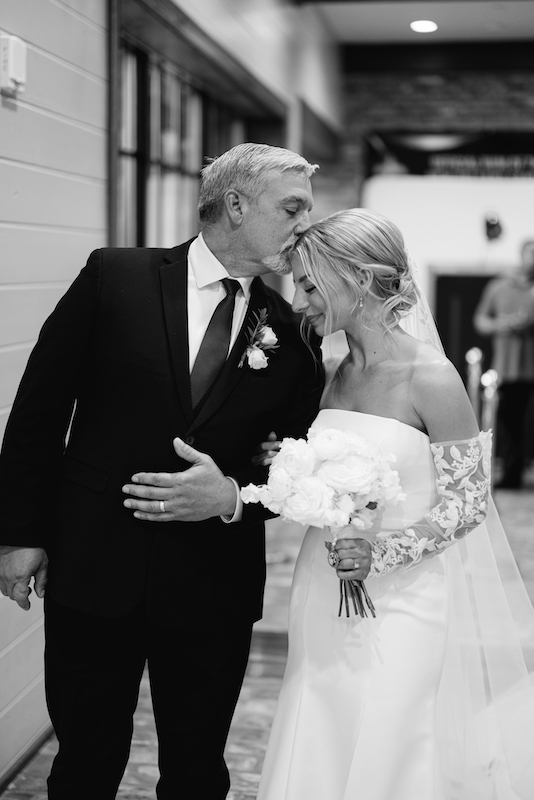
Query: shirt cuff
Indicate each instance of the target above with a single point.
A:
(238, 513)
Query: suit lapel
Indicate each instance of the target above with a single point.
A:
(231, 373)
(173, 277)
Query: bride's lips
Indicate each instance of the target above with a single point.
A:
(315, 318)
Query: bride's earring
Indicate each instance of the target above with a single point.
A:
(360, 302)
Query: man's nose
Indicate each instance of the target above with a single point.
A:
(303, 223)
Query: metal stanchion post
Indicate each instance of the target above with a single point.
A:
(474, 358)
(490, 401)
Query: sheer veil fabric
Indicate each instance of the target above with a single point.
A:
(485, 710)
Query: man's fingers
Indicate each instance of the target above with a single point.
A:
(164, 480)
(147, 492)
(20, 593)
(40, 581)
(189, 453)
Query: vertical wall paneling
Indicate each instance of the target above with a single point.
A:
(53, 212)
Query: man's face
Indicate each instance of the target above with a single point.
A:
(273, 221)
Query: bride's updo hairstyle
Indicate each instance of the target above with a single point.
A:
(362, 252)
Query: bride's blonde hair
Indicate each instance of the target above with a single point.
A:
(363, 252)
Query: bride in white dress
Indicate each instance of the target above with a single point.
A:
(430, 700)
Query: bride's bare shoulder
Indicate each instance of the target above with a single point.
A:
(440, 398)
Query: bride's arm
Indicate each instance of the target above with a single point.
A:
(463, 483)
(462, 458)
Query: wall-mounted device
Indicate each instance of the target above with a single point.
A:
(12, 65)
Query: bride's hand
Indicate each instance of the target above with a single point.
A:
(356, 559)
(266, 451)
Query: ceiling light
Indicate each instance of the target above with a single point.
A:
(423, 26)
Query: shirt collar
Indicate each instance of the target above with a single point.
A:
(207, 269)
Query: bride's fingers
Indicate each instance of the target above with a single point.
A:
(348, 564)
(264, 459)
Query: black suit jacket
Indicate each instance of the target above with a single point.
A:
(112, 362)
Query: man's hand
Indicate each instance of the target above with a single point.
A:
(17, 566)
(198, 493)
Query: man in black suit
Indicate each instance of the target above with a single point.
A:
(99, 448)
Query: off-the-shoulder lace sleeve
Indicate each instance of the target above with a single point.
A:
(463, 482)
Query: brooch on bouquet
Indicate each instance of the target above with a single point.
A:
(261, 339)
(335, 480)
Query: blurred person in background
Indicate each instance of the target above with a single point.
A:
(506, 313)
(130, 348)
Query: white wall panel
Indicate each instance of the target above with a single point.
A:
(15, 622)
(23, 311)
(35, 195)
(39, 138)
(56, 30)
(12, 364)
(64, 89)
(4, 412)
(53, 212)
(21, 661)
(31, 253)
(93, 10)
(22, 723)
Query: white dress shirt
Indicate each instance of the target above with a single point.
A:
(204, 293)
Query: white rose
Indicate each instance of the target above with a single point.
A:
(364, 518)
(355, 474)
(346, 504)
(337, 519)
(250, 493)
(329, 444)
(279, 483)
(357, 444)
(267, 500)
(257, 358)
(390, 485)
(296, 457)
(267, 336)
(310, 502)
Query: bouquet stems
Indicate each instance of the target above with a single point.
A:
(356, 592)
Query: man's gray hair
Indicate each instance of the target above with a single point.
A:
(245, 168)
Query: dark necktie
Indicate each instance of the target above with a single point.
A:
(214, 346)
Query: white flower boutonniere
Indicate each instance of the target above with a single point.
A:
(261, 339)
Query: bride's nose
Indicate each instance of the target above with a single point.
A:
(300, 301)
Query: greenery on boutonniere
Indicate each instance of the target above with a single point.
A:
(261, 339)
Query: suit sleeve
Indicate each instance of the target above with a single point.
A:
(35, 436)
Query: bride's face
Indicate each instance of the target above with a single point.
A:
(309, 301)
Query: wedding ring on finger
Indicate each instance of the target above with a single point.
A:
(162, 506)
(333, 558)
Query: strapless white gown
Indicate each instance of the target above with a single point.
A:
(377, 709)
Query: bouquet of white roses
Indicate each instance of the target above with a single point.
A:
(331, 479)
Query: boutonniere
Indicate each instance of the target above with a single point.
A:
(261, 338)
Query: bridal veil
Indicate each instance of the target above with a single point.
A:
(485, 711)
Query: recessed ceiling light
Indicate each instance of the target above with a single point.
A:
(423, 26)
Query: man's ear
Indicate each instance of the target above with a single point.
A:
(233, 202)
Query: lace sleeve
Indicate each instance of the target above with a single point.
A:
(463, 483)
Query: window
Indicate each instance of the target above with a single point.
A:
(166, 127)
